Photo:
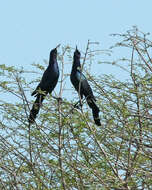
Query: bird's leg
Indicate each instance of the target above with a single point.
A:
(78, 105)
(59, 99)
(81, 101)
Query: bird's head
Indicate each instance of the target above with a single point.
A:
(77, 54)
(53, 52)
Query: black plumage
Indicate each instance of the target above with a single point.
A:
(46, 85)
(82, 86)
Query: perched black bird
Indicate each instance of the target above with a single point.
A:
(46, 85)
(82, 86)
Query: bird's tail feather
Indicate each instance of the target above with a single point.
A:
(95, 110)
(36, 107)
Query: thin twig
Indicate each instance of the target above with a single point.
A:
(60, 122)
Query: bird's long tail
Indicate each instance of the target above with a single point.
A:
(36, 107)
(95, 110)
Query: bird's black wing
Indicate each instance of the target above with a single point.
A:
(85, 88)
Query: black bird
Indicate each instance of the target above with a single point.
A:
(46, 85)
(82, 86)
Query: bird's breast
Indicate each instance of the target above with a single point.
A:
(56, 70)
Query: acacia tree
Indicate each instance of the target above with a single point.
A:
(64, 149)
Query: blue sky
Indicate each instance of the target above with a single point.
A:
(29, 29)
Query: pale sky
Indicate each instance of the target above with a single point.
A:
(30, 28)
